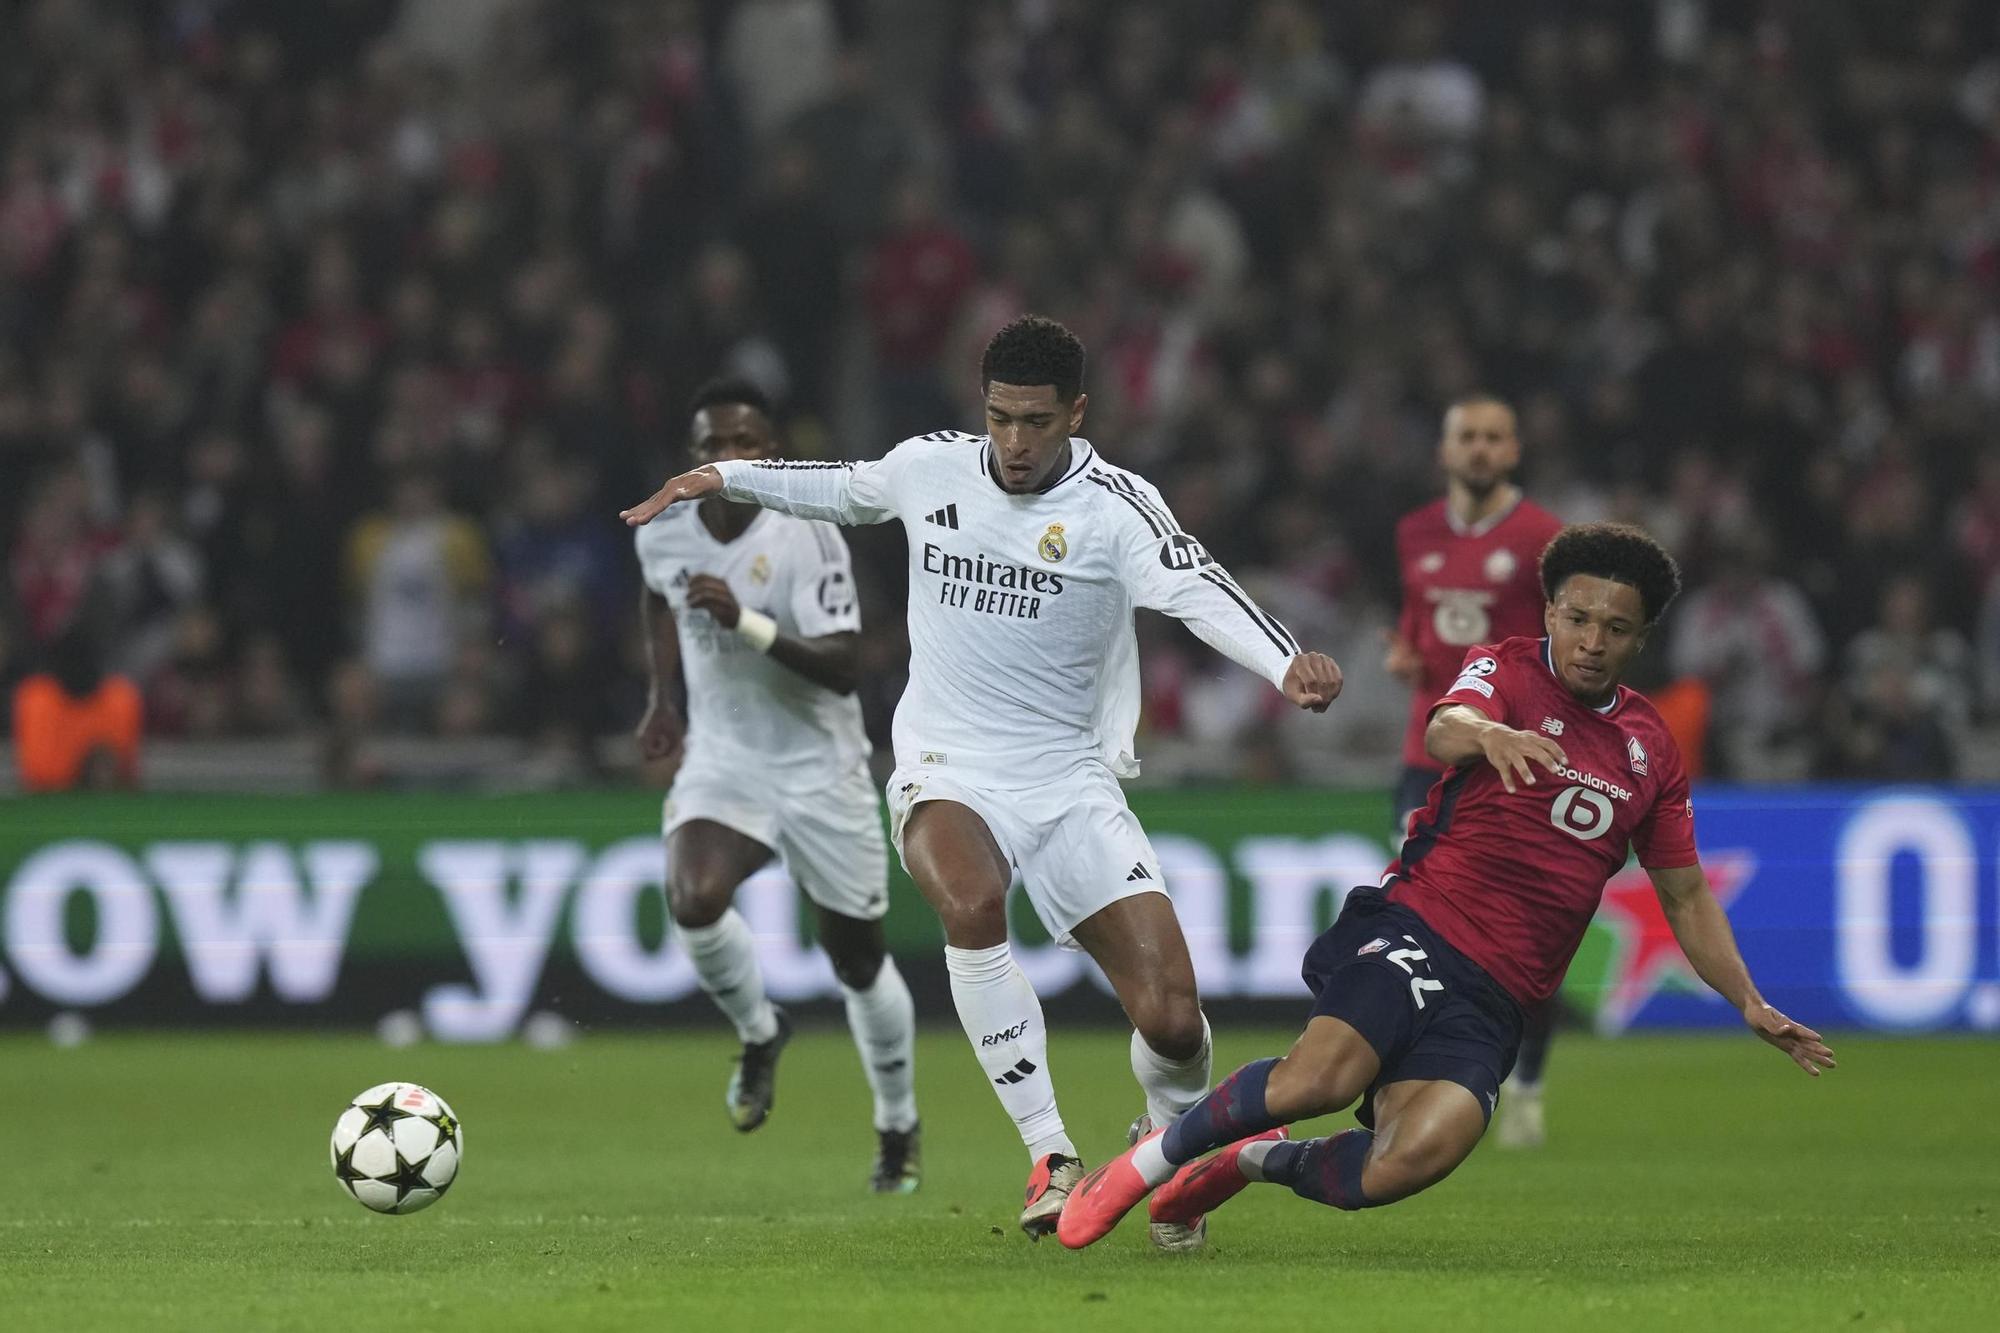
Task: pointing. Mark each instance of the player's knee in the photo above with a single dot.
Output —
(1310, 1082)
(973, 921)
(1169, 1020)
(856, 966)
(1402, 1168)
(696, 901)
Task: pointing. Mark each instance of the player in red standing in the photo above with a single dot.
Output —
(1467, 565)
(1553, 770)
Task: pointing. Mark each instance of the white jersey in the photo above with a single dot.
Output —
(745, 709)
(1023, 663)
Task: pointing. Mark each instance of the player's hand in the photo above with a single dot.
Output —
(1807, 1050)
(1313, 681)
(661, 733)
(687, 486)
(705, 592)
(1402, 660)
(1514, 755)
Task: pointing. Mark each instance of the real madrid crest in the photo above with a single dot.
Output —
(760, 569)
(1053, 546)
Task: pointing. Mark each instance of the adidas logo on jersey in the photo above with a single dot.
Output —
(946, 517)
(1138, 872)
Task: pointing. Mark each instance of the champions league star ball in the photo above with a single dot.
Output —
(396, 1148)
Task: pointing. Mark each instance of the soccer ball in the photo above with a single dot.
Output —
(396, 1148)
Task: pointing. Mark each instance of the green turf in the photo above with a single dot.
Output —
(167, 1182)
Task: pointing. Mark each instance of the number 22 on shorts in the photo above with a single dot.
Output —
(1418, 985)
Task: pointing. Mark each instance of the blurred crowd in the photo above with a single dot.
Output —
(332, 336)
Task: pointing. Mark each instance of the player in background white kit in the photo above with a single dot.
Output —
(1028, 553)
(757, 610)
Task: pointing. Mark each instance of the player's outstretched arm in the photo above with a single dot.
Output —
(1702, 928)
(1169, 571)
(1460, 734)
(847, 493)
(687, 486)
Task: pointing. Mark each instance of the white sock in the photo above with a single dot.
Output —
(725, 961)
(1150, 1160)
(1003, 1019)
(883, 1019)
(1171, 1086)
(1251, 1160)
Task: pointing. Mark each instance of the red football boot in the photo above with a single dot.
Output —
(1105, 1195)
(1201, 1187)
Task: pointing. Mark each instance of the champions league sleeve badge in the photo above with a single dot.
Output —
(1053, 546)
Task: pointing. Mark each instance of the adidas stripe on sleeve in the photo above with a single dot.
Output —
(1167, 570)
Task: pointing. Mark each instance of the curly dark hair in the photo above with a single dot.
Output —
(1615, 551)
(731, 389)
(1034, 350)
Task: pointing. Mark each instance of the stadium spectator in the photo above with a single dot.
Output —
(77, 726)
(415, 574)
(153, 576)
(919, 276)
(1751, 636)
(1907, 693)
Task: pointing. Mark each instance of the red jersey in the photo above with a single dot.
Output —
(1463, 586)
(1511, 880)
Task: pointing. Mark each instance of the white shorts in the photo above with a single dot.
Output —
(829, 837)
(1078, 846)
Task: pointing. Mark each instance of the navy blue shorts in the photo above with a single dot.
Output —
(1428, 1010)
(1413, 792)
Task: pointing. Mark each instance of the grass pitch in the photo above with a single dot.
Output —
(180, 1182)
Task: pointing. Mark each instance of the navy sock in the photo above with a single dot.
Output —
(1233, 1109)
(1324, 1170)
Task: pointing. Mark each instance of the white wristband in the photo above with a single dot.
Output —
(756, 629)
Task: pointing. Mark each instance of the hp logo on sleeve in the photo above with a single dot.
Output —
(1181, 551)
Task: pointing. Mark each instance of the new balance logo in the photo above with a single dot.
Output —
(946, 517)
(1138, 872)
(1021, 1070)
